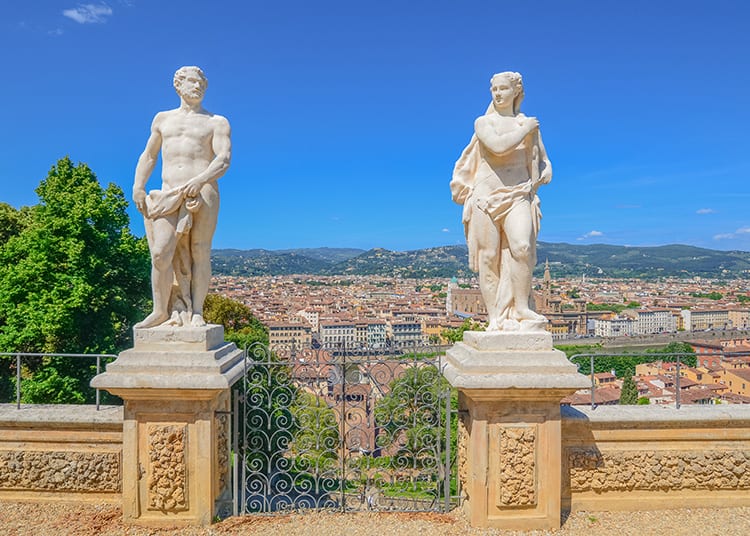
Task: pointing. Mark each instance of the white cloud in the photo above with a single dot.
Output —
(705, 211)
(89, 13)
(590, 234)
(446, 230)
(736, 234)
(56, 32)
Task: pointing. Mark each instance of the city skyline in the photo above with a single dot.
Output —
(347, 118)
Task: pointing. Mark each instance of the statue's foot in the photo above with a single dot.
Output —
(494, 325)
(174, 321)
(528, 314)
(197, 321)
(152, 320)
(510, 325)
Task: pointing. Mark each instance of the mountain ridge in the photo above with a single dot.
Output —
(566, 260)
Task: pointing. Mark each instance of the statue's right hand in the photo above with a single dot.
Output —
(531, 124)
(139, 197)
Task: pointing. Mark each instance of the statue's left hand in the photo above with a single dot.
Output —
(192, 188)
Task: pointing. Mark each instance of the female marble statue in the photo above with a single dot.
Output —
(496, 180)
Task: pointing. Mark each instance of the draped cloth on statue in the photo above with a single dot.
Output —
(162, 203)
(500, 200)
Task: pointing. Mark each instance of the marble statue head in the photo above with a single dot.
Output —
(190, 83)
(514, 84)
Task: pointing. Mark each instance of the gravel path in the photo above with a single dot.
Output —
(55, 519)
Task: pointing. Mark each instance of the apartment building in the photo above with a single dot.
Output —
(407, 332)
(649, 321)
(335, 333)
(737, 380)
(705, 319)
(371, 333)
(312, 318)
(288, 334)
(465, 300)
(616, 326)
(740, 318)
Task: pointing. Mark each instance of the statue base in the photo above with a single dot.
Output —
(510, 385)
(175, 385)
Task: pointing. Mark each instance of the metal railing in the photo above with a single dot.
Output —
(19, 357)
(643, 358)
(343, 427)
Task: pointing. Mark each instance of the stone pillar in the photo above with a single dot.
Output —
(510, 385)
(175, 386)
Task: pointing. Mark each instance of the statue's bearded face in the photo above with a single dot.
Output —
(503, 92)
(191, 86)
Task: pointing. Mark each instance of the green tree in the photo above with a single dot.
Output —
(614, 307)
(240, 325)
(73, 279)
(689, 360)
(412, 415)
(316, 443)
(12, 221)
(457, 334)
(709, 295)
(629, 393)
(624, 365)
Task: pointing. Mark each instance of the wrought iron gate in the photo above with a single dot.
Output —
(345, 429)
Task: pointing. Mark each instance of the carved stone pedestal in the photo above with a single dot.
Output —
(510, 386)
(175, 385)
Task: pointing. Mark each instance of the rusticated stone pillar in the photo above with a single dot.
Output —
(175, 386)
(510, 385)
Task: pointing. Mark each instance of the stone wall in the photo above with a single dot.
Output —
(655, 457)
(60, 452)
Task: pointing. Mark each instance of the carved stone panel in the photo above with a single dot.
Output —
(167, 472)
(222, 449)
(517, 479)
(63, 471)
(592, 470)
(463, 463)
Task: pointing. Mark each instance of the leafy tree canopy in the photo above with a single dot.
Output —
(457, 334)
(624, 365)
(413, 413)
(240, 325)
(12, 221)
(629, 393)
(72, 276)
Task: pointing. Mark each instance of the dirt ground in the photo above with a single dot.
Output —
(56, 519)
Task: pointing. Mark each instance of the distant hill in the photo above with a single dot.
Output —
(674, 260)
(280, 262)
(597, 260)
(446, 261)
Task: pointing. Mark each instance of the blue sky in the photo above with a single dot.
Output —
(348, 116)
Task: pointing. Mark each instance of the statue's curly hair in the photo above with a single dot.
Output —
(182, 72)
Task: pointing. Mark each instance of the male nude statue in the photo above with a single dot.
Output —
(180, 219)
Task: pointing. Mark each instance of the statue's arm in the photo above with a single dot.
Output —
(500, 143)
(146, 164)
(222, 147)
(545, 168)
